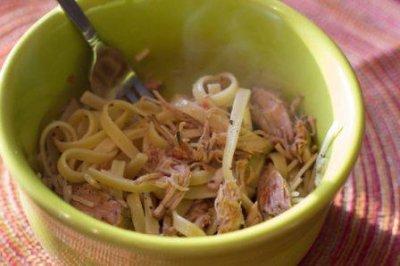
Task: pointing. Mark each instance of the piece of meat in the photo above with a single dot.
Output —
(103, 207)
(199, 213)
(218, 120)
(272, 193)
(217, 140)
(205, 136)
(216, 180)
(228, 208)
(181, 152)
(173, 196)
(163, 131)
(167, 227)
(301, 138)
(254, 216)
(270, 114)
(154, 156)
(199, 154)
(165, 166)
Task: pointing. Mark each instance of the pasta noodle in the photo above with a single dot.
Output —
(80, 154)
(115, 133)
(187, 167)
(200, 192)
(122, 184)
(151, 223)
(239, 107)
(136, 208)
(185, 227)
(92, 100)
(200, 177)
(221, 98)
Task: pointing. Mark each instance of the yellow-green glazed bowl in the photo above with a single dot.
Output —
(260, 41)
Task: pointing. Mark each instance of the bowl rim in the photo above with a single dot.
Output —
(96, 229)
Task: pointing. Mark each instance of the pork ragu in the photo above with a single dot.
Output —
(225, 159)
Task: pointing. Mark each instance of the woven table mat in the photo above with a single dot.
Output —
(362, 227)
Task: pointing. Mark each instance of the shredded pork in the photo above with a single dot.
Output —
(97, 203)
(272, 193)
(227, 206)
(270, 114)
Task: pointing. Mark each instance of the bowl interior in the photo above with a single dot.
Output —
(261, 42)
(187, 39)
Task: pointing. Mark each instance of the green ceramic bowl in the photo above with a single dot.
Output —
(261, 42)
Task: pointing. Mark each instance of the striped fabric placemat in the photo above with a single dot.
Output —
(362, 227)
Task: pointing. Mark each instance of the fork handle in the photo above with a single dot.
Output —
(76, 15)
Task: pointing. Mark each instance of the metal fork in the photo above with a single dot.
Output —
(110, 74)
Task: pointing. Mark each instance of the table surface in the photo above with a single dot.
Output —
(362, 227)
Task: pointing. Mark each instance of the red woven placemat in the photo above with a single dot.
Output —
(362, 227)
